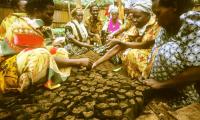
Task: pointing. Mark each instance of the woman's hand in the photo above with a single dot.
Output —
(70, 36)
(113, 42)
(110, 36)
(59, 42)
(85, 62)
(88, 45)
(94, 65)
(154, 84)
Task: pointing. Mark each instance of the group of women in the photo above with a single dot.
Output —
(161, 46)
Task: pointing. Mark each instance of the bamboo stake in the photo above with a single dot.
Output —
(89, 4)
(69, 10)
(78, 5)
(121, 10)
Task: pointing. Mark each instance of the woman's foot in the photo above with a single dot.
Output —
(24, 82)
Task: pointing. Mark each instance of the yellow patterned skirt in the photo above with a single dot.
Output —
(32, 67)
(135, 61)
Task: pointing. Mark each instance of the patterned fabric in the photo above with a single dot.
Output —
(129, 34)
(7, 22)
(80, 33)
(36, 63)
(29, 65)
(79, 30)
(178, 52)
(8, 74)
(94, 26)
(135, 60)
(141, 5)
(17, 36)
(129, 3)
(111, 27)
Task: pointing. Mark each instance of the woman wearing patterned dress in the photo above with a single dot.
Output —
(140, 38)
(175, 57)
(77, 34)
(24, 58)
(18, 7)
(113, 23)
(94, 25)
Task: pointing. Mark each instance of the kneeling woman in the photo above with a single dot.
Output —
(140, 37)
(24, 58)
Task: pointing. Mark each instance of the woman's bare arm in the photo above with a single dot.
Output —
(189, 76)
(81, 44)
(113, 51)
(137, 45)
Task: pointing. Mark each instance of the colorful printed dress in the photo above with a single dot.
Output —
(172, 54)
(24, 59)
(79, 31)
(135, 60)
(94, 26)
(7, 22)
(112, 27)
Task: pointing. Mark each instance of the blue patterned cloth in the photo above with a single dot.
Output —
(176, 53)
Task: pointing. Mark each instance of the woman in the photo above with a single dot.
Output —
(24, 59)
(140, 38)
(18, 7)
(114, 23)
(175, 57)
(77, 35)
(94, 25)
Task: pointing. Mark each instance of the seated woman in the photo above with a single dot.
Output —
(24, 58)
(141, 37)
(175, 57)
(114, 23)
(124, 27)
(18, 7)
(94, 25)
(77, 35)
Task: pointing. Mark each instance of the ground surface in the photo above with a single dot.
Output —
(100, 94)
(97, 94)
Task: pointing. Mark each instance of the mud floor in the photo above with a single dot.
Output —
(100, 94)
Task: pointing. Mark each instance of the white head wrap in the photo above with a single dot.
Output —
(114, 10)
(143, 5)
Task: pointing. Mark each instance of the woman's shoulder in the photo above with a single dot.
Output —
(191, 18)
(190, 14)
(190, 26)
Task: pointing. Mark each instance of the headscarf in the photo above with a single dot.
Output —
(143, 5)
(114, 10)
(74, 11)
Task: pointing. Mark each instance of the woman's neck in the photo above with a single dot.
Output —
(33, 16)
(175, 27)
(114, 20)
(95, 18)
